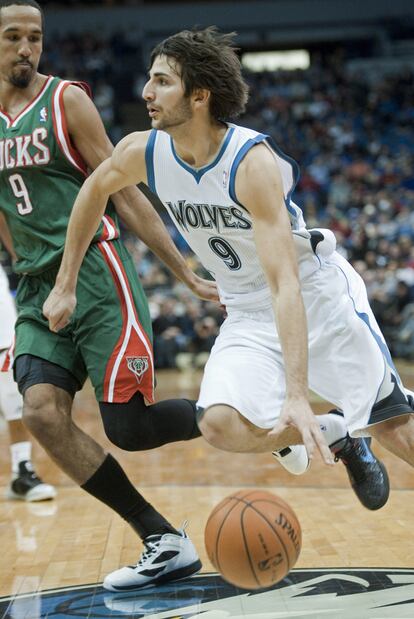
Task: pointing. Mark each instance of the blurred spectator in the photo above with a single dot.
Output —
(169, 338)
(104, 101)
(206, 331)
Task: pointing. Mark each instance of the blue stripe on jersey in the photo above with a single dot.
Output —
(149, 160)
(238, 158)
(365, 318)
(198, 174)
(296, 175)
(242, 153)
(293, 163)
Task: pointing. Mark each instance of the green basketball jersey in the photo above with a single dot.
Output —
(40, 175)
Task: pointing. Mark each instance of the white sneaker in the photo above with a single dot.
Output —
(294, 459)
(166, 557)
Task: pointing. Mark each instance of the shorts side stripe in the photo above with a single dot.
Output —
(109, 231)
(131, 325)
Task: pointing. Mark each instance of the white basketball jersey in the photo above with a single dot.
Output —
(204, 207)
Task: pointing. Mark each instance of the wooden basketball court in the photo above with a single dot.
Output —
(74, 540)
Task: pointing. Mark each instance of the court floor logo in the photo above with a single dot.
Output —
(318, 593)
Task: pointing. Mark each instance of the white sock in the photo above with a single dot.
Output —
(19, 452)
(333, 427)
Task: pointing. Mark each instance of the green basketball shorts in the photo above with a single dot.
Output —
(109, 337)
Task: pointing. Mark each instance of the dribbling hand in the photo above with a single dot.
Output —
(298, 414)
(204, 289)
(58, 308)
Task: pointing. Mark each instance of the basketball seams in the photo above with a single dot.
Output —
(291, 511)
(274, 531)
(220, 506)
(281, 506)
(246, 547)
(227, 499)
(218, 536)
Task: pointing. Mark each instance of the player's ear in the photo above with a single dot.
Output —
(201, 97)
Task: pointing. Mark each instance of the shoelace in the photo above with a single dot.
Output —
(32, 476)
(152, 545)
(151, 549)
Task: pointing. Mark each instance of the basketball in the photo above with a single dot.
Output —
(253, 538)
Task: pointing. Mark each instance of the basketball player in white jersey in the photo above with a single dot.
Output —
(298, 313)
(25, 483)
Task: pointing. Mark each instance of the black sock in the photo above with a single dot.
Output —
(110, 485)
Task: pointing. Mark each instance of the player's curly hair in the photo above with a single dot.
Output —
(208, 59)
(33, 3)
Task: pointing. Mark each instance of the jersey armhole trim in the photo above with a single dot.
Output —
(295, 177)
(83, 86)
(149, 160)
(61, 130)
(237, 160)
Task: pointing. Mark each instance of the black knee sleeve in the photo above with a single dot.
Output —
(134, 426)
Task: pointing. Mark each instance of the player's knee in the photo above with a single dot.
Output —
(213, 426)
(123, 436)
(128, 425)
(43, 414)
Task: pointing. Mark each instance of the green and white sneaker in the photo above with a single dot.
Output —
(166, 557)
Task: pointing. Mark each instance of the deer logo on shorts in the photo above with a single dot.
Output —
(138, 366)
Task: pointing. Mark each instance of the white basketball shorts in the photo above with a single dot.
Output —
(349, 361)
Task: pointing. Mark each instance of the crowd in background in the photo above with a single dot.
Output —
(354, 140)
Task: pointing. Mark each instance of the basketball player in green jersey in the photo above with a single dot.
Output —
(50, 134)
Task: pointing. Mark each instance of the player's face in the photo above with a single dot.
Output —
(20, 44)
(167, 105)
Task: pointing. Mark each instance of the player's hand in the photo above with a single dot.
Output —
(298, 414)
(204, 288)
(59, 307)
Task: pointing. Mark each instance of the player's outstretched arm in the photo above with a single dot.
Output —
(259, 189)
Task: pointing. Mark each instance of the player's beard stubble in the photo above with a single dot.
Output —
(177, 116)
(21, 76)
